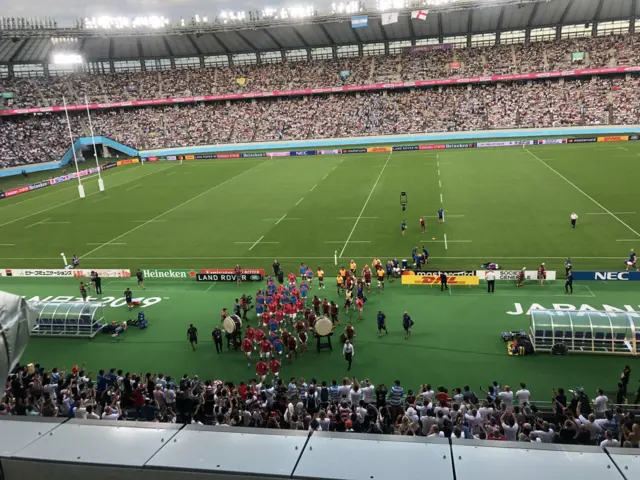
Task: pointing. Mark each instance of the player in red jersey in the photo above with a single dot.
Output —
(285, 336)
(223, 314)
(266, 318)
(521, 275)
(303, 337)
(542, 273)
(299, 305)
(423, 225)
(265, 348)
(316, 304)
(250, 334)
(258, 336)
(280, 317)
(273, 307)
(262, 369)
(325, 307)
(247, 348)
(366, 273)
(360, 307)
(274, 364)
(292, 348)
(311, 320)
(292, 278)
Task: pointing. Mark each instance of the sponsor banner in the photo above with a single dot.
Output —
(458, 273)
(278, 154)
(614, 138)
(512, 143)
(189, 157)
(582, 140)
(171, 158)
(228, 155)
(252, 155)
(405, 147)
(607, 276)
(329, 152)
(1, 194)
(112, 302)
(38, 186)
(634, 137)
(16, 191)
(229, 275)
(551, 141)
(435, 280)
(303, 153)
(378, 149)
(127, 161)
(346, 88)
(354, 150)
(429, 48)
(107, 166)
(460, 145)
(152, 159)
(206, 156)
(169, 273)
(439, 146)
(62, 272)
(513, 274)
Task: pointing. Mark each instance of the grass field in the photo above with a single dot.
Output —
(507, 205)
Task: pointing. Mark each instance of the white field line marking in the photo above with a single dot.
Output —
(148, 221)
(582, 191)
(55, 223)
(313, 188)
(131, 188)
(446, 245)
(100, 199)
(109, 244)
(440, 183)
(7, 244)
(590, 291)
(325, 176)
(628, 240)
(334, 168)
(257, 242)
(615, 213)
(438, 172)
(441, 201)
(365, 204)
(171, 173)
(361, 218)
(157, 217)
(445, 241)
(281, 218)
(37, 223)
(299, 202)
(75, 199)
(210, 287)
(484, 257)
(352, 241)
(625, 149)
(437, 163)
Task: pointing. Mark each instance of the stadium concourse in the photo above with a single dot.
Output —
(596, 100)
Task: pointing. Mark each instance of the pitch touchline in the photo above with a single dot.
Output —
(366, 203)
(540, 257)
(173, 208)
(75, 199)
(581, 191)
(361, 218)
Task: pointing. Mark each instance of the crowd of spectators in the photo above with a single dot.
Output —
(601, 51)
(347, 405)
(551, 103)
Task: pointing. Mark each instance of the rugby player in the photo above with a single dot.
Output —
(542, 273)
(403, 227)
(423, 225)
(320, 275)
(380, 276)
(441, 215)
(632, 262)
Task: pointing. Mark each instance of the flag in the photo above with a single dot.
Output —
(241, 81)
(420, 14)
(359, 21)
(391, 17)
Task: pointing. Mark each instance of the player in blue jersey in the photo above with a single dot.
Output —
(440, 215)
(303, 270)
(304, 290)
(403, 227)
(632, 260)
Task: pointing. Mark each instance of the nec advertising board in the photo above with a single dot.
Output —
(607, 276)
(614, 138)
(513, 274)
(303, 153)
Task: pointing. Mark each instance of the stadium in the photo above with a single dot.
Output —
(166, 181)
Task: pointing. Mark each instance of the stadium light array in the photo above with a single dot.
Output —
(384, 5)
(107, 23)
(228, 17)
(67, 58)
(297, 11)
(346, 7)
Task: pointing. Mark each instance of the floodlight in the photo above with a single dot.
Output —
(67, 58)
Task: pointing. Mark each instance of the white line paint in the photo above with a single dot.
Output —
(590, 291)
(148, 221)
(281, 218)
(441, 201)
(446, 245)
(582, 192)
(354, 218)
(352, 241)
(365, 204)
(257, 242)
(37, 223)
(438, 172)
(625, 149)
(483, 257)
(7, 244)
(440, 183)
(75, 199)
(121, 243)
(325, 176)
(334, 168)
(55, 223)
(437, 163)
(299, 202)
(171, 173)
(615, 213)
(628, 240)
(172, 209)
(131, 188)
(313, 188)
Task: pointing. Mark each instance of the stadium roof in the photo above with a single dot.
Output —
(36, 46)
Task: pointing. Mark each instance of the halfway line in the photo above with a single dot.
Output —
(581, 191)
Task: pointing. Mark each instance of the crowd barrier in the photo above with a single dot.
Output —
(518, 77)
(59, 448)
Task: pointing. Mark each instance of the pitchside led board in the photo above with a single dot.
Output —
(229, 275)
(454, 278)
(607, 276)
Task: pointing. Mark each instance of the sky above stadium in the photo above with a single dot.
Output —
(66, 11)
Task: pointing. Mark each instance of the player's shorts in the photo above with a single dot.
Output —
(541, 277)
(321, 279)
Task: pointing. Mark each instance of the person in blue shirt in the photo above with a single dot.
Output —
(303, 270)
(425, 255)
(382, 323)
(414, 251)
(417, 259)
(304, 290)
(567, 266)
(632, 259)
(440, 215)
(389, 270)
(403, 227)
(406, 324)
(101, 384)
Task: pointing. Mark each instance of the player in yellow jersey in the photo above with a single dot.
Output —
(352, 267)
(320, 275)
(339, 283)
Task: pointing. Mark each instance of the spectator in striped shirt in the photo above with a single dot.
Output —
(334, 391)
(395, 399)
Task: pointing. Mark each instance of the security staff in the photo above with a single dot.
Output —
(217, 339)
(491, 281)
(574, 218)
(443, 282)
(568, 283)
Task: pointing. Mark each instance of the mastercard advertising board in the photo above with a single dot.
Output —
(410, 278)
